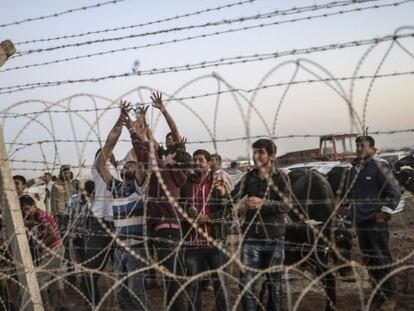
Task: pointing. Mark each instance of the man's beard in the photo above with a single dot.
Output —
(198, 173)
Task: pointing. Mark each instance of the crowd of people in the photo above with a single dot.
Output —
(168, 213)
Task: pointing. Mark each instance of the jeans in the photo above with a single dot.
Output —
(98, 245)
(131, 292)
(373, 241)
(262, 254)
(196, 261)
(71, 277)
(166, 244)
(79, 248)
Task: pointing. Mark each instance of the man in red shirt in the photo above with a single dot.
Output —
(50, 250)
(206, 242)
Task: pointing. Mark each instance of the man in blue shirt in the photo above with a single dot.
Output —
(74, 228)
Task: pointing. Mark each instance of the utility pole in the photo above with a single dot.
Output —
(31, 300)
(7, 49)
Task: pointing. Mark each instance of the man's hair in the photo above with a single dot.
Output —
(205, 153)
(168, 135)
(127, 163)
(26, 200)
(216, 155)
(48, 174)
(20, 178)
(89, 186)
(233, 164)
(182, 159)
(63, 168)
(367, 138)
(266, 144)
(176, 146)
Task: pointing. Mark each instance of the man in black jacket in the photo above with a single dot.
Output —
(375, 191)
(268, 195)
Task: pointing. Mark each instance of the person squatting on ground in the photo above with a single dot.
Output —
(49, 248)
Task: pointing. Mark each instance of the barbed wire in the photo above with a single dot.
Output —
(306, 250)
(210, 24)
(57, 14)
(13, 115)
(223, 140)
(206, 64)
(160, 43)
(159, 21)
(316, 249)
(298, 62)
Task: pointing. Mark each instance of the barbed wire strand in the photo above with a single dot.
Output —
(319, 239)
(57, 14)
(168, 19)
(210, 24)
(205, 64)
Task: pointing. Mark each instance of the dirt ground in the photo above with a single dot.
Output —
(351, 294)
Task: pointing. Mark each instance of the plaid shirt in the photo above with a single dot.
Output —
(78, 210)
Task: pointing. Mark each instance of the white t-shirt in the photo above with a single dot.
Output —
(102, 206)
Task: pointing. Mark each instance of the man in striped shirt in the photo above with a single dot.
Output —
(129, 222)
(164, 179)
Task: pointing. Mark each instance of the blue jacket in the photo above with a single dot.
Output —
(375, 186)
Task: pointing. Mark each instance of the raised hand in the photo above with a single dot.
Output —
(124, 116)
(141, 117)
(181, 143)
(157, 101)
(220, 187)
(140, 124)
(125, 106)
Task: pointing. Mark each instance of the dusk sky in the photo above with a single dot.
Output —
(310, 108)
